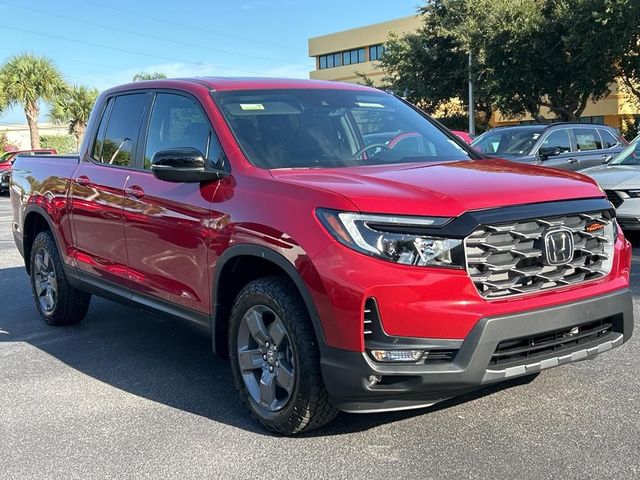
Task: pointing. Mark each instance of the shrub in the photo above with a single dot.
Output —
(62, 143)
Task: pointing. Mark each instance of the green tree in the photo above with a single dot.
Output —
(431, 67)
(629, 66)
(149, 76)
(73, 109)
(26, 80)
(554, 54)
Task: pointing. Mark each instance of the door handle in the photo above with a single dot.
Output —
(134, 191)
(83, 180)
(573, 160)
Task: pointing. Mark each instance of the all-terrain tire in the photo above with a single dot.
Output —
(308, 405)
(69, 305)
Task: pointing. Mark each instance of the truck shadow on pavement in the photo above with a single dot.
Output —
(158, 359)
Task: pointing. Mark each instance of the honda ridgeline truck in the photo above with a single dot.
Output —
(343, 249)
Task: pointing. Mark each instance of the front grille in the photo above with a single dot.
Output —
(551, 344)
(614, 198)
(507, 258)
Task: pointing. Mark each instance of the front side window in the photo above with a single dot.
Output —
(117, 144)
(587, 139)
(175, 122)
(558, 139)
(328, 128)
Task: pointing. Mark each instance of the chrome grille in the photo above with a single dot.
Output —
(507, 259)
(614, 198)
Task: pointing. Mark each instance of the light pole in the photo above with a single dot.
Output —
(472, 113)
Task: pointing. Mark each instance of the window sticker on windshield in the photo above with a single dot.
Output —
(369, 105)
(251, 106)
(536, 136)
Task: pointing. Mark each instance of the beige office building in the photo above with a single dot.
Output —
(340, 56)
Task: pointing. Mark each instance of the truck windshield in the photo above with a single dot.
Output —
(331, 128)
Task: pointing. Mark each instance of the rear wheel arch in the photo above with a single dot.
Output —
(240, 265)
(36, 220)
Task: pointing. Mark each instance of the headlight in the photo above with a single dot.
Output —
(396, 239)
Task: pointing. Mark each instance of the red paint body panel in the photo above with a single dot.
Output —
(420, 302)
(166, 243)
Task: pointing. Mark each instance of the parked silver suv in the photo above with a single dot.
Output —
(571, 146)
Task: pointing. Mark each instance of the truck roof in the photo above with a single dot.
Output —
(240, 83)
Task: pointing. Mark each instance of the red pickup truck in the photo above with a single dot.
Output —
(343, 249)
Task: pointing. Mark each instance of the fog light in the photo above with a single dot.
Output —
(397, 355)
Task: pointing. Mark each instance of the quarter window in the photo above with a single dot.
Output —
(177, 121)
(121, 132)
(608, 140)
(558, 139)
(587, 139)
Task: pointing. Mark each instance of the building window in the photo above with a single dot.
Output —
(338, 59)
(376, 52)
(594, 119)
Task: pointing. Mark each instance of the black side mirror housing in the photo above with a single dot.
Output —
(546, 152)
(183, 165)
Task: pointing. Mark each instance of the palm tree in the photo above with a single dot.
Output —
(26, 79)
(148, 76)
(73, 109)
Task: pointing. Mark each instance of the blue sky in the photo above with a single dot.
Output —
(180, 38)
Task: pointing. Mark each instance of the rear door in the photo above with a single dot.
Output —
(589, 149)
(97, 192)
(166, 224)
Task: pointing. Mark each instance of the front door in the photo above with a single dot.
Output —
(166, 224)
(97, 192)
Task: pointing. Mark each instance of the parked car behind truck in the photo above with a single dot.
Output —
(336, 274)
(570, 146)
(6, 162)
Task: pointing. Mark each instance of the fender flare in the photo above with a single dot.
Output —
(33, 208)
(280, 261)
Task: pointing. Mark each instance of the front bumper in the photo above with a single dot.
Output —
(405, 386)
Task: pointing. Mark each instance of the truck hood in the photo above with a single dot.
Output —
(615, 177)
(444, 189)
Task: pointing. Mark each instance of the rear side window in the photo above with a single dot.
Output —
(558, 139)
(118, 131)
(608, 140)
(587, 139)
(177, 121)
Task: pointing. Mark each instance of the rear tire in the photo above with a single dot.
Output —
(275, 358)
(57, 301)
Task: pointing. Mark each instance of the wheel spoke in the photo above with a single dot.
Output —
(250, 359)
(39, 284)
(267, 389)
(48, 299)
(257, 328)
(284, 376)
(46, 260)
(38, 262)
(277, 332)
(54, 283)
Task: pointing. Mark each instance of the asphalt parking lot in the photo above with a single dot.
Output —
(130, 395)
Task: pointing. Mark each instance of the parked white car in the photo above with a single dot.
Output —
(620, 179)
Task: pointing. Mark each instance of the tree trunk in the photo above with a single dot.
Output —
(78, 132)
(31, 110)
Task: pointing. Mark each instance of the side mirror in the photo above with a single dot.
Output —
(546, 152)
(185, 165)
(607, 158)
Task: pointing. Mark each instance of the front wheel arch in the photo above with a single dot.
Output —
(264, 262)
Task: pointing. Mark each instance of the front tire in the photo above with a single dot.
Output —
(57, 301)
(275, 359)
